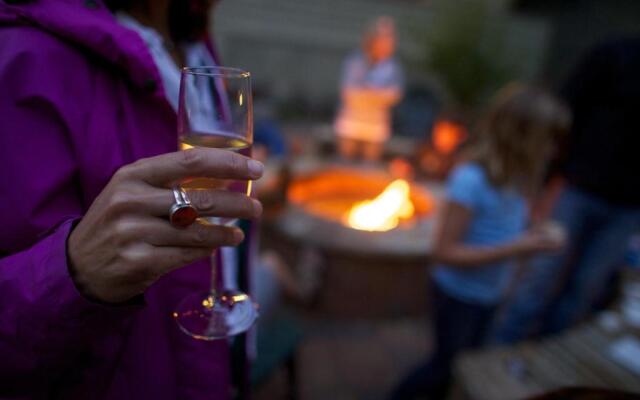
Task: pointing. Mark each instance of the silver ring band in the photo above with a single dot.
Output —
(180, 195)
(182, 213)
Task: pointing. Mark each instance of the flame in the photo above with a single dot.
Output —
(447, 136)
(385, 211)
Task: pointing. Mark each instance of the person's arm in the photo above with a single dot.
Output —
(463, 190)
(45, 322)
(66, 291)
(68, 270)
(542, 205)
(450, 249)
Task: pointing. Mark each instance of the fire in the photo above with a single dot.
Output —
(385, 211)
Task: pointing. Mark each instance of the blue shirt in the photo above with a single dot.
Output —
(357, 72)
(498, 216)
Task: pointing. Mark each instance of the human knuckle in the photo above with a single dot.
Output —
(121, 201)
(133, 257)
(123, 228)
(237, 164)
(204, 200)
(127, 172)
(200, 236)
(122, 173)
(191, 158)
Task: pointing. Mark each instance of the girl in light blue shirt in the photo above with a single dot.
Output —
(482, 230)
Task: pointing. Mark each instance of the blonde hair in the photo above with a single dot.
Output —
(383, 25)
(516, 136)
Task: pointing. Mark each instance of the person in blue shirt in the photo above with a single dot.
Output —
(482, 229)
(595, 193)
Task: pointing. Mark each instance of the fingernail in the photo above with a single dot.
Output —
(255, 168)
(238, 236)
(257, 208)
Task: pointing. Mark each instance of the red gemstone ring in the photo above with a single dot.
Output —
(182, 212)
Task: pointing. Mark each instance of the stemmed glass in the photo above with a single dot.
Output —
(215, 110)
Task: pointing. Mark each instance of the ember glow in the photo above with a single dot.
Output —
(385, 211)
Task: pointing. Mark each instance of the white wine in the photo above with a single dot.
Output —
(216, 140)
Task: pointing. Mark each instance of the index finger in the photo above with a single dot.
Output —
(196, 162)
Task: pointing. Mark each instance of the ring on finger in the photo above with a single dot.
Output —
(182, 213)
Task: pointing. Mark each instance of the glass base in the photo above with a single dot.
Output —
(202, 316)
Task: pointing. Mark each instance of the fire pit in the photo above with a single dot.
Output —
(323, 212)
(375, 265)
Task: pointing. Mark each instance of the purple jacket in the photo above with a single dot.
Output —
(80, 97)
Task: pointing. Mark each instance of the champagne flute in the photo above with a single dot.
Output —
(215, 110)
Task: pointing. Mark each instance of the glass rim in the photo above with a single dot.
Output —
(226, 72)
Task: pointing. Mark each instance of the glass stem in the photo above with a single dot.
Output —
(216, 275)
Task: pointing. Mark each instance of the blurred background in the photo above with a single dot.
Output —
(295, 49)
(345, 310)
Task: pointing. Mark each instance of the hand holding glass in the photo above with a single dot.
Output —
(215, 110)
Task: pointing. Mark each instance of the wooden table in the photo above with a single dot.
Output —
(578, 358)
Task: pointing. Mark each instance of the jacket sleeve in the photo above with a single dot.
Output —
(45, 323)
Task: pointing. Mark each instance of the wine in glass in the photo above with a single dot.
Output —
(215, 111)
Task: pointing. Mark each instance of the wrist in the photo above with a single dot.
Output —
(520, 247)
(75, 273)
